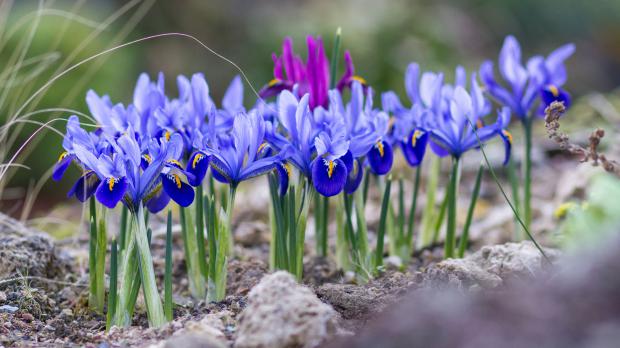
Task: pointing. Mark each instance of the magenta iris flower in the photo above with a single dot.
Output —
(311, 77)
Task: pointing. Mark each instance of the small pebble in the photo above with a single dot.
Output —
(2, 296)
(49, 328)
(8, 309)
(27, 317)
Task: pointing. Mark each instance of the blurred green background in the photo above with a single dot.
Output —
(383, 37)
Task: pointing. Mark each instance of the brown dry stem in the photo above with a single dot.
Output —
(588, 154)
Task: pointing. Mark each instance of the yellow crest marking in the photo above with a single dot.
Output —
(359, 79)
(273, 82)
(62, 156)
(379, 146)
(554, 90)
(197, 159)
(507, 135)
(147, 158)
(167, 135)
(111, 182)
(415, 136)
(177, 180)
(330, 168)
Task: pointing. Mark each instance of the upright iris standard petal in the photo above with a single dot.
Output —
(354, 177)
(329, 176)
(85, 186)
(197, 166)
(61, 165)
(178, 190)
(551, 93)
(381, 157)
(111, 191)
(414, 147)
(159, 201)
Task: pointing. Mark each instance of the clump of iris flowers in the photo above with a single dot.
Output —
(312, 143)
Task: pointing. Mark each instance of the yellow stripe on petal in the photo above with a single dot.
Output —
(507, 135)
(379, 146)
(167, 135)
(62, 156)
(197, 159)
(554, 90)
(177, 180)
(175, 162)
(415, 136)
(289, 170)
(330, 168)
(147, 158)
(111, 183)
(273, 82)
(359, 79)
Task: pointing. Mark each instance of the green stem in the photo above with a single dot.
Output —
(470, 212)
(362, 231)
(527, 175)
(92, 257)
(452, 210)
(217, 275)
(440, 219)
(102, 248)
(123, 228)
(382, 221)
(342, 254)
(128, 272)
(192, 255)
(412, 208)
(155, 311)
(514, 185)
(200, 233)
(113, 284)
(429, 214)
(168, 271)
(334, 61)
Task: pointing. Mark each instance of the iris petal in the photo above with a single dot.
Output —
(329, 177)
(85, 186)
(178, 190)
(284, 175)
(381, 157)
(111, 191)
(61, 166)
(354, 177)
(551, 93)
(197, 166)
(414, 147)
(507, 138)
(158, 202)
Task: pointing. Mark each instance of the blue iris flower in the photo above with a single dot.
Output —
(235, 156)
(459, 128)
(541, 77)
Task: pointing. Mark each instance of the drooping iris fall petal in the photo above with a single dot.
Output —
(178, 190)
(111, 190)
(329, 176)
(381, 157)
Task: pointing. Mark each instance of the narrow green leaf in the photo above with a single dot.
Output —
(382, 219)
(113, 284)
(470, 212)
(334, 60)
(168, 270)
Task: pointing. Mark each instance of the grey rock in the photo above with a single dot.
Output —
(573, 304)
(282, 313)
(193, 340)
(488, 268)
(25, 251)
(8, 309)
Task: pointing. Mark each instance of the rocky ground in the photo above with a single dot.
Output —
(47, 306)
(43, 288)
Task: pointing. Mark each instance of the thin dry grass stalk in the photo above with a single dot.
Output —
(588, 154)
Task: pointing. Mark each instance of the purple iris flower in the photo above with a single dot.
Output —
(541, 77)
(313, 77)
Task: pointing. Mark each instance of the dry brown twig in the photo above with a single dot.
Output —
(588, 154)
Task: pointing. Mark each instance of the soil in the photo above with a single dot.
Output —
(52, 310)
